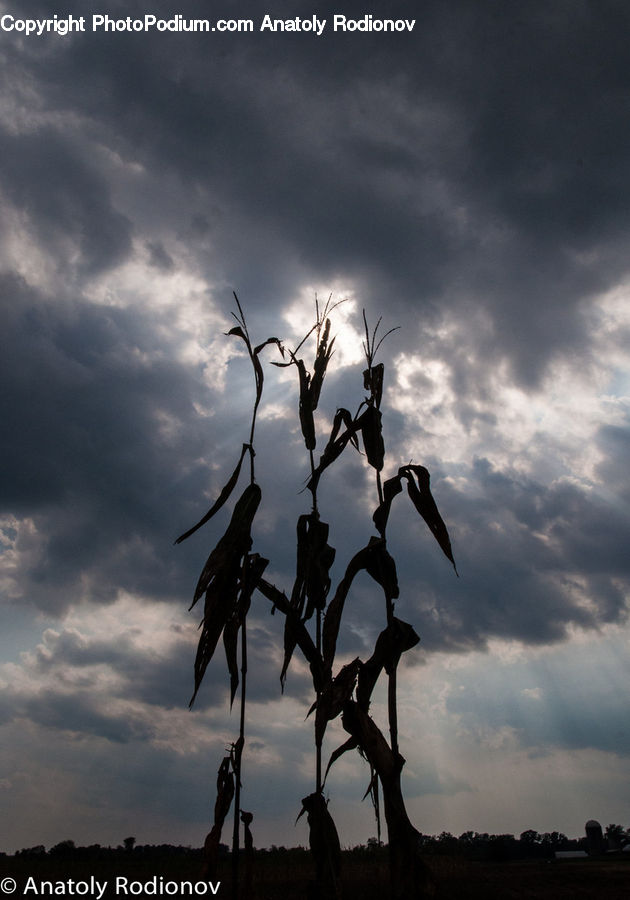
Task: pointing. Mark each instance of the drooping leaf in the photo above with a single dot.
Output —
(252, 569)
(230, 644)
(370, 788)
(221, 499)
(225, 791)
(238, 331)
(336, 444)
(334, 697)
(423, 501)
(312, 580)
(350, 744)
(378, 563)
(225, 795)
(314, 559)
(259, 376)
(271, 340)
(307, 421)
(302, 638)
(372, 434)
(344, 417)
(236, 539)
(332, 618)
(381, 566)
(220, 579)
(220, 600)
(372, 743)
(391, 488)
(391, 643)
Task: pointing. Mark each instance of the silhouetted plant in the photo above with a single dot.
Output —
(228, 580)
(232, 573)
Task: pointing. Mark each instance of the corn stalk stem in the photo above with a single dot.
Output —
(318, 644)
(237, 766)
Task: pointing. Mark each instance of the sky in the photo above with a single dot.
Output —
(467, 180)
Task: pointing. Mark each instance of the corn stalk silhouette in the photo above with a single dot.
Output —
(228, 580)
(232, 574)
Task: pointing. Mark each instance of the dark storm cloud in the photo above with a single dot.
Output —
(82, 450)
(470, 169)
(65, 198)
(356, 160)
(468, 182)
(479, 161)
(534, 561)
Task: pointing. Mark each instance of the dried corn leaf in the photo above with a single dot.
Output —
(225, 791)
(271, 340)
(230, 644)
(344, 417)
(391, 643)
(221, 499)
(225, 795)
(334, 697)
(378, 563)
(312, 581)
(422, 499)
(319, 560)
(238, 331)
(220, 600)
(336, 444)
(371, 789)
(381, 566)
(391, 488)
(302, 638)
(307, 422)
(253, 567)
(373, 382)
(235, 542)
(324, 352)
(371, 743)
(220, 580)
(350, 744)
(257, 366)
(372, 434)
(332, 618)
(314, 559)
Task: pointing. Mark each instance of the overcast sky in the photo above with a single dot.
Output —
(468, 180)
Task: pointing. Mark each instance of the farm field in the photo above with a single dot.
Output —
(287, 875)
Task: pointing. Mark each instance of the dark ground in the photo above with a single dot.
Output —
(286, 875)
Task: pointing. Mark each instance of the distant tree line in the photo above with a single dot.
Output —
(530, 844)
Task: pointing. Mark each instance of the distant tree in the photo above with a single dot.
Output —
(129, 843)
(530, 837)
(63, 847)
(616, 836)
(554, 839)
(38, 850)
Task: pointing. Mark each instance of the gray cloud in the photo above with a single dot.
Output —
(65, 199)
(468, 185)
(585, 709)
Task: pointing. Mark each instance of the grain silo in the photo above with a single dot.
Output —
(594, 838)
